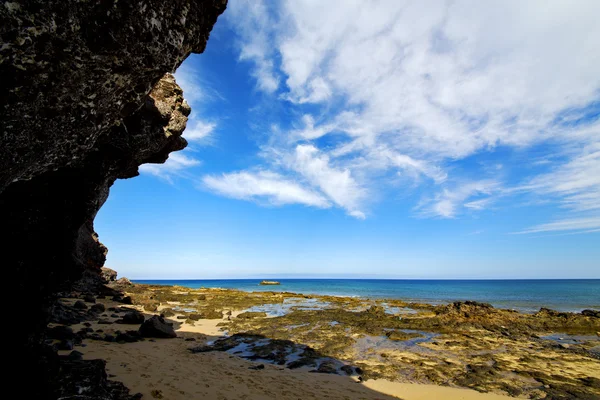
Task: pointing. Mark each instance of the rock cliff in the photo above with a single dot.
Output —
(85, 98)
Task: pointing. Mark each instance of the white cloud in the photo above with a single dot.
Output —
(198, 131)
(252, 21)
(175, 165)
(338, 184)
(587, 224)
(264, 185)
(450, 202)
(575, 183)
(410, 89)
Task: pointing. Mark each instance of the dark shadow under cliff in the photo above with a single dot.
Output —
(85, 101)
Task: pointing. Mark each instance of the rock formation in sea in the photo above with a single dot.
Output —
(85, 98)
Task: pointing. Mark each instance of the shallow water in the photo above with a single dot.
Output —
(289, 304)
(563, 338)
(368, 345)
(522, 295)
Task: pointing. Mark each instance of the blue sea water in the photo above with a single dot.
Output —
(524, 295)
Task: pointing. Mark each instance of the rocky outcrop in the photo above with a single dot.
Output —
(108, 275)
(84, 100)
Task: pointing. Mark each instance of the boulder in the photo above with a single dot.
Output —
(132, 317)
(88, 298)
(80, 305)
(128, 337)
(157, 327)
(326, 367)
(75, 355)
(98, 308)
(60, 333)
(591, 313)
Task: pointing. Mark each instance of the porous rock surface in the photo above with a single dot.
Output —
(85, 98)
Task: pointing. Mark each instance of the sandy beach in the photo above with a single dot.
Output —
(164, 368)
(167, 369)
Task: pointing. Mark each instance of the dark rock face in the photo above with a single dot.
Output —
(89, 61)
(84, 100)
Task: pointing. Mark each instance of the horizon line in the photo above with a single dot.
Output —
(364, 278)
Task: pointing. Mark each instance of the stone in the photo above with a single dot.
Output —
(75, 355)
(65, 345)
(128, 337)
(591, 313)
(157, 327)
(326, 367)
(132, 317)
(89, 298)
(347, 369)
(257, 367)
(60, 333)
(98, 308)
(80, 305)
(109, 338)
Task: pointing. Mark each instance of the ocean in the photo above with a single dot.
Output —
(523, 295)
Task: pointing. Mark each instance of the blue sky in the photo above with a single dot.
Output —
(377, 139)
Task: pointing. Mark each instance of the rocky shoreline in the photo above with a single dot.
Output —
(471, 345)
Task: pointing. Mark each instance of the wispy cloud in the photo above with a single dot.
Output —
(450, 202)
(199, 131)
(264, 186)
(587, 225)
(575, 183)
(337, 183)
